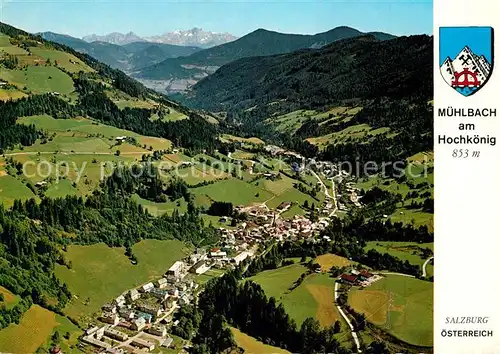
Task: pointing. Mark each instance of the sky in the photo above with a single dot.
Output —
(453, 39)
(152, 17)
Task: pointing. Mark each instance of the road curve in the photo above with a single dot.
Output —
(424, 272)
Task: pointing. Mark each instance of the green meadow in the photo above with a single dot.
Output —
(401, 305)
(39, 79)
(100, 273)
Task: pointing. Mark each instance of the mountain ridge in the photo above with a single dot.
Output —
(192, 37)
(260, 42)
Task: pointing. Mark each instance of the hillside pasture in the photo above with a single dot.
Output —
(9, 299)
(329, 260)
(12, 189)
(313, 298)
(100, 273)
(64, 60)
(235, 191)
(39, 79)
(401, 305)
(7, 47)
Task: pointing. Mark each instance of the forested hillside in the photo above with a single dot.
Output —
(41, 79)
(359, 68)
(73, 84)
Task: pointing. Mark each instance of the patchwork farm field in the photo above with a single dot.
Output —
(34, 329)
(401, 305)
(252, 346)
(99, 273)
(313, 298)
(327, 261)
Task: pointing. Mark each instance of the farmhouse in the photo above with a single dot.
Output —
(199, 268)
(364, 275)
(120, 139)
(141, 343)
(348, 279)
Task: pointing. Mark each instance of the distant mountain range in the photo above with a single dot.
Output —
(194, 37)
(175, 68)
(258, 43)
(127, 57)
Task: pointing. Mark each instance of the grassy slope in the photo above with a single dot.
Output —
(35, 327)
(9, 299)
(252, 346)
(401, 305)
(100, 273)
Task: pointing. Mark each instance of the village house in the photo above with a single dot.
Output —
(173, 291)
(217, 253)
(96, 342)
(111, 318)
(142, 343)
(200, 267)
(240, 258)
(109, 308)
(158, 330)
(134, 294)
(147, 287)
(138, 324)
(154, 310)
(162, 283)
(91, 330)
(176, 269)
(113, 333)
(161, 294)
(147, 317)
(120, 301)
(126, 313)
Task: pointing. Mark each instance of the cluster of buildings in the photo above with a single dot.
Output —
(145, 310)
(360, 278)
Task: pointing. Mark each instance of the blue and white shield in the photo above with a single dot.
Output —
(466, 57)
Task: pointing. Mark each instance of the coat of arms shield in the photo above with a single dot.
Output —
(466, 57)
